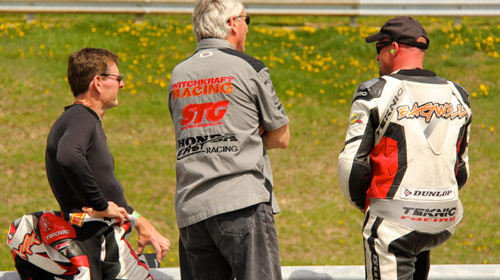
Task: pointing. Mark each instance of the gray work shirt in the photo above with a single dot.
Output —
(217, 99)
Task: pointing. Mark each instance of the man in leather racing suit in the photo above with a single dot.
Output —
(405, 156)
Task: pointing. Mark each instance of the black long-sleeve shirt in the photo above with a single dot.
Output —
(79, 165)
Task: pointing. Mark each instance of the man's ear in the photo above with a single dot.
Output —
(395, 48)
(97, 83)
(232, 23)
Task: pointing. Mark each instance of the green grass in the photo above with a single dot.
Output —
(316, 64)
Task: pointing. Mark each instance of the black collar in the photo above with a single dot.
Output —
(417, 72)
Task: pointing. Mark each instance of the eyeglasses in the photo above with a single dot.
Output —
(247, 18)
(119, 78)
(380, 45)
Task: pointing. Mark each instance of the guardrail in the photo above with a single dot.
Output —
(455, 8)
(356, 272)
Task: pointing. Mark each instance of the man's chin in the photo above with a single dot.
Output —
(113, 104)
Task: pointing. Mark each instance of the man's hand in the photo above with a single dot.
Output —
(113, 211)
(148, 235)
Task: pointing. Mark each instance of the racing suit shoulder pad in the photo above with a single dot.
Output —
(370, 89)
(463, 93)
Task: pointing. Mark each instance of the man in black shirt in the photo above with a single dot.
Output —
(80, 167)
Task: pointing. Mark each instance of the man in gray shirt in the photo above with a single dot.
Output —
(226, 116)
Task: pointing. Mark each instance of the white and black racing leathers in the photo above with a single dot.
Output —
(53, 245)
(404, 162)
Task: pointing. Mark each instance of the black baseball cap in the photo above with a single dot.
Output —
(404, 30)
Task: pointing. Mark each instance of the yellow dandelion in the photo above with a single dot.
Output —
(492, 129)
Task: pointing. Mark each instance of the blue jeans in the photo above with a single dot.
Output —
(241, 244)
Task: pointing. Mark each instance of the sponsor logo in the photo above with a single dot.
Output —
(193, 115)
(431, 110)
(77, 219)
(206, 54)
(200, 87)
(357, 118)
(199, 144)
(427, 193)
(24, 248)
(395, 101)
(360, 93)
(407, 192)
(434, 215)
(376, 266)
(56, 234)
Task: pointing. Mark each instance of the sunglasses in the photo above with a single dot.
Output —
(247, 18)
(380, 45)
(119, 78)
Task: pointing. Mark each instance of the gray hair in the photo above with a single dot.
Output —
(210, 18)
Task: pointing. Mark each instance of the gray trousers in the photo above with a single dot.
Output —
(242, 244)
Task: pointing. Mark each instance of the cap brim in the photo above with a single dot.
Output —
(373, 38)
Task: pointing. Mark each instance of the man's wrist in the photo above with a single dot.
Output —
(136, 214)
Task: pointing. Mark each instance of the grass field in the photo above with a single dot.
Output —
(316, 64)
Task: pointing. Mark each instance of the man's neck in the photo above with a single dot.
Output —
(90, 103)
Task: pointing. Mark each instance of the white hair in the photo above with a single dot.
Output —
(210, 18)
